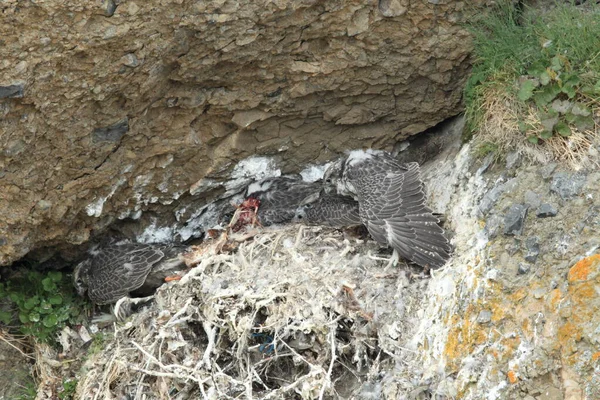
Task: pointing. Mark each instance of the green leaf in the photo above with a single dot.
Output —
(581, 110)
(522, 126)
(546, 94)
(563, 129)
(34, 317)
(63, 315)
(23, 317)
(544, 78)
(556, 63)
(569, 91)
(5, 317)
(546, 134)
(582, 123)
(31, 302)
(45, 307)
(561, 106)
(56, 276)
(50, 321)
(48, 284)
(56, 299)
(526, 90)
(533, 139)
(548, 122)
(571, 80)
(536, 69)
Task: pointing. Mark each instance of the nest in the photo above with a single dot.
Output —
(294, 313)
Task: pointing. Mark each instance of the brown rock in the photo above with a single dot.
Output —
(113, 108)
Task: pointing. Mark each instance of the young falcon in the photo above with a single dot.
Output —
(331, 210)
(279, 197)
(114, 271)
(391, 204)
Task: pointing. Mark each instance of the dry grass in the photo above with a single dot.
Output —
(502, 113)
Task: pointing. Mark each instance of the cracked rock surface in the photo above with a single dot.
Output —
(123, 109)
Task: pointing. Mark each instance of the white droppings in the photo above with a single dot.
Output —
(313, 173)
(94, 209)
(155, 234)
(496, 391)
(202, 220)
(253, 168)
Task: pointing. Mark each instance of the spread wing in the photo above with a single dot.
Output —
(118, 270)
(392, 206)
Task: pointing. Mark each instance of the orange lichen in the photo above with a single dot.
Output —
(555, 298)
(581, 270)
(512, 376)
(518, 295)
(569, 331)
(596, 356)
(568, 335)
(464, 336)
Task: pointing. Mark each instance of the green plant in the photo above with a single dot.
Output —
(42, 304)
(69, 387)
(485, 148)
(27, 392)
(548, 61)
(559, 96)
(97, 345)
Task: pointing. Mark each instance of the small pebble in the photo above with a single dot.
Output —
(484, 316)
(533, 199)
(109, 7)
(514, 220)
(546, 210)
(523, 268)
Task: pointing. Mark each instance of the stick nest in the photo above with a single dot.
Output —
(293, 313)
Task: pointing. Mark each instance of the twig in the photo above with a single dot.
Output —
(210, 332)
(172, 321)
(15, 347)
(277, 393)
(327, 378)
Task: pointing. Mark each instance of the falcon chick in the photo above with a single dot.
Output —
(280, 196)
(391, 204)
(115, 271)
(331, 210)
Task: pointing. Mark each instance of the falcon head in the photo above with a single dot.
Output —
(335, 180)
(333, 175)
(81, 277)
(300, 215)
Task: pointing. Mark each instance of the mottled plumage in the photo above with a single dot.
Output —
(330, 210)
(391, 201)
(280, 197)
(114, 271)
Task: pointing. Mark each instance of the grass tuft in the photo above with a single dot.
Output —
(535, 83)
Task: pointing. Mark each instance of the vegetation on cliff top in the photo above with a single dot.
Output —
(535, 84)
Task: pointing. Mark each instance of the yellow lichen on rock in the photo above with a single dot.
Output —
(581, 270)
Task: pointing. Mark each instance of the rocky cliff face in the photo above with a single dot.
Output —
(311, 312)
(121, 109)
